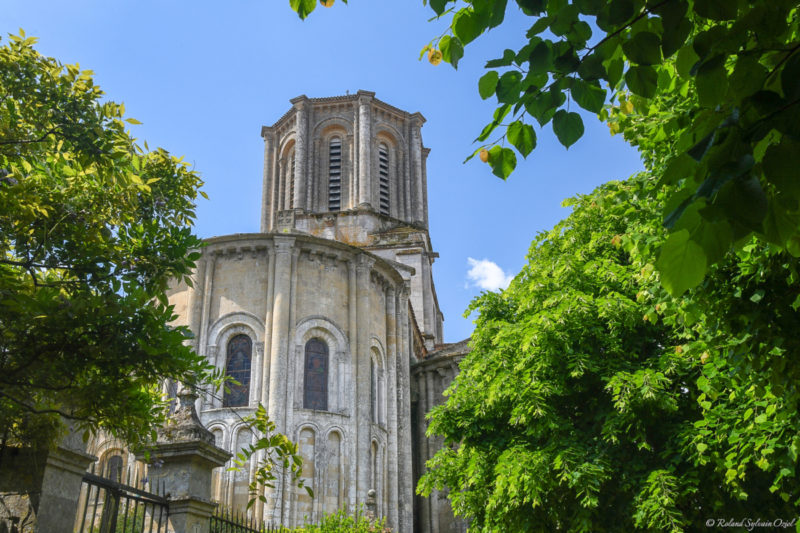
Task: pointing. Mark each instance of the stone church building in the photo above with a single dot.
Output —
(329, 316)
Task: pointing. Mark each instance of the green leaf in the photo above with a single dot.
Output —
(589, 96)
(303, 8)
(678, 168)
(790, 77)
(780, 223)
(531, 7)
(686, 60)
(614, 67)
(591, 68)
(467, 25)
(503, 161)
(568, 127)
(452, 50)
(748, 76)
(716, 10)
(507, 60)
(681, 263)
(487, 84)
(711, 81)
(781, 163)
(644, 48)
(522, 137)
(642, 80)
(508, 87)
(438, 6)
(542, 106)
(541, 57)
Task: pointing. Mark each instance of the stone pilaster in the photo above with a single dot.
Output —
(269, 178)
(300, 151)
(362, 370)
(416, 165)
(404, 463)
(195, 306)
(279, 354)
(364, 146)
(391, 381)
(186, 453)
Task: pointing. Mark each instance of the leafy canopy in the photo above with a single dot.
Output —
(92, 228)
(630, 409)
(733, 149)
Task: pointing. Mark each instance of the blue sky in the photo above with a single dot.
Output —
(203, 77)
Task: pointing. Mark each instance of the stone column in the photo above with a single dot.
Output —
(364, 146)
(391, 382)
(362, 374)
(195, 305)
(352, 333)
(416, 166)
(300, 151)
(267, 207)
(187, 455)
(279, 353)
(404, 463)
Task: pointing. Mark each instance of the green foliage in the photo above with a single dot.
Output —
(735, 64)
(271, 450)
(631, 409)
(92, 228)
(342, 521)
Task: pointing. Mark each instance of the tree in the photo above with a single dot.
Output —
(92, 229)
(734, 147)
(630, 409)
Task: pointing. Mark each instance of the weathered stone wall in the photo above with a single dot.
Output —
(430, 378)
(282, 291)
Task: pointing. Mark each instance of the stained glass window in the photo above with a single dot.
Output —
(240, 349)
(315, 385)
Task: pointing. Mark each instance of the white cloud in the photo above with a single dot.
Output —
(487, 275)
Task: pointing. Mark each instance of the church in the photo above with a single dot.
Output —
(329, 317)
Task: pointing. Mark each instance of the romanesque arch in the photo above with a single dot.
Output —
(338, 379)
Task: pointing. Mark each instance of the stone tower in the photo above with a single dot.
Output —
(328, 317)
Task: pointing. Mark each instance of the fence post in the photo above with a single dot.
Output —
(39, 488)
(181, 462)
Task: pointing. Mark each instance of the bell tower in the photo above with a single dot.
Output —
(352, 169)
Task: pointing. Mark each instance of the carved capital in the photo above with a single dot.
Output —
(283, 245)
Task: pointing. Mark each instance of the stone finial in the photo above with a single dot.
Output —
(184, 424)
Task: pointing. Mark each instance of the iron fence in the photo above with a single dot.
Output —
(108, 506)
(225, 521)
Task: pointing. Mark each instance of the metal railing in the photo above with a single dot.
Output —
(108, 506)
(226, 521)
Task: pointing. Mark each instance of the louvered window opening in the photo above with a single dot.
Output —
(383, 166)
(335, 175)
(291, 183)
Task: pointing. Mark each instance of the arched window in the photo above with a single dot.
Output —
(315, 382)
(114, 468)
(335, 174)
(240, 349)
(373, 391)
(383, 172)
